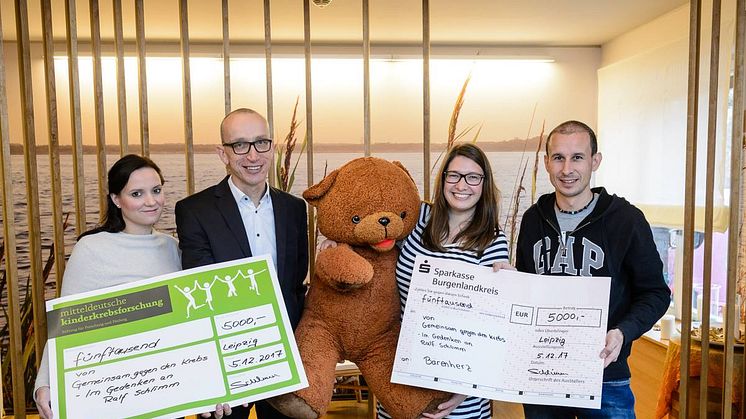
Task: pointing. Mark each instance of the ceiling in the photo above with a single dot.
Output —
(469, 22)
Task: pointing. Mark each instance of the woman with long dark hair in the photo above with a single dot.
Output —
(460, 224)
(123, 248)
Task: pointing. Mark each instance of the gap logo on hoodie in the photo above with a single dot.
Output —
(564, 260)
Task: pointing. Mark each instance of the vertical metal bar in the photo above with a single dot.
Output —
(15, 348)
(30, 169)
(689, 201)
(187, 94)
(309, 129)
(738, 141)
(121, 85)
(366, 77)
(142, 76)
(226, 60)
(426, 96)
(268, 66)
(40, 325)
(71, 28)
(712, 117)
(98, 106)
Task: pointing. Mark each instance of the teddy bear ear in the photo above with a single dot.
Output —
(315, 192)
(401, 166)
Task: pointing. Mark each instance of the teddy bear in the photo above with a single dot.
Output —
(352, 308)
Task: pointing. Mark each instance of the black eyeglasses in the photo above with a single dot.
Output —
(244, 147)
(472, 179)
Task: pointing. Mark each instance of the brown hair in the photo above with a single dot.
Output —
(484, 226)
(571, 127)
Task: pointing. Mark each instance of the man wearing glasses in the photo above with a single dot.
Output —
(243, 216)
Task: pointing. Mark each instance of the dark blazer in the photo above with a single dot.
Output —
(210, 230)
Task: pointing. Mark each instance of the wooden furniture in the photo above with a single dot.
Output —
(349, 369)
(668, 393)
(714, 396)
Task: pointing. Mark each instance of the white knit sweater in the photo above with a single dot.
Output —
(106, 259)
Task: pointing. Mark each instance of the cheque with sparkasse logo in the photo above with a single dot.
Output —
(503, 335)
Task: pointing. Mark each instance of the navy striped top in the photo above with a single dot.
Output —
(472, 407)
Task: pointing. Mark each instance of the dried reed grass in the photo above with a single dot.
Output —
(28, 355)
(535, 172)
(511, 217)
(453, 136)
(283, 159)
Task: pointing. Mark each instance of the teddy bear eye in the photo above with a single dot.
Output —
(356, 219)
(403, 214)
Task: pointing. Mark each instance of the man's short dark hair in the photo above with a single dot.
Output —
(571, 127)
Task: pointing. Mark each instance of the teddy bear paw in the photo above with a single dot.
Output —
(293, 406)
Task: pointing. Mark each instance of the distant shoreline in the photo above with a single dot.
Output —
(383, 147)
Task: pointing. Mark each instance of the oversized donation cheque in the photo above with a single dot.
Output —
(173, 345)
(506, 336)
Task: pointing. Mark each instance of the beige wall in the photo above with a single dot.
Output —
(664, 30)
(643, 107)
(501, 96)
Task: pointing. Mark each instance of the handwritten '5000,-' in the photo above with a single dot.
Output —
(569, 317)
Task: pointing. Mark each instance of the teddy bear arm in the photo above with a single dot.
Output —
(342, 264)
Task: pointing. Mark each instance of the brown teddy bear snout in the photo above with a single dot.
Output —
(380, 230)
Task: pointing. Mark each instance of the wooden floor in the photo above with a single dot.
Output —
(347, 409)
(355, 410)
(507, 410)
(351, 409)
(359, 410)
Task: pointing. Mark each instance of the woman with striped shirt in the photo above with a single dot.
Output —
(461, 224)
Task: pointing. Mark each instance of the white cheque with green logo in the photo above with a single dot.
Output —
(508, 335)
(173, 345)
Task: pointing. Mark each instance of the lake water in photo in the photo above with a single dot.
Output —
(209, 170)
